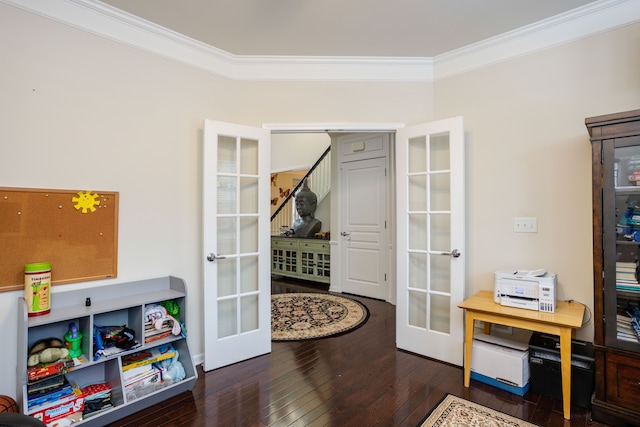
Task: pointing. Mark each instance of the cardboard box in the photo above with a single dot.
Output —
(500, 363)
(66, 408)
(76, 417)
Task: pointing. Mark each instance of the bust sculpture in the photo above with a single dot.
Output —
(306, 225)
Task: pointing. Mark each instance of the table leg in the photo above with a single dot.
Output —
(468, 347)
(565, 364)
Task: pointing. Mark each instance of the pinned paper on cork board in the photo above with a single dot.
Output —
(76, 231)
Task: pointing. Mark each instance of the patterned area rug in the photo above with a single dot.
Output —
(456, 411)
(306, 316)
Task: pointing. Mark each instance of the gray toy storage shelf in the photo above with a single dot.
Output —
(120, 304)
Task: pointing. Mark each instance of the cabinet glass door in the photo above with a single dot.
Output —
(622, 233)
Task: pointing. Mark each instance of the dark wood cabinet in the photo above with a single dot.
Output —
(615, 140)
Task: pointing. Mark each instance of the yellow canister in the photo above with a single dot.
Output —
(37, 288)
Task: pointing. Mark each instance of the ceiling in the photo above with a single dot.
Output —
(336, 28)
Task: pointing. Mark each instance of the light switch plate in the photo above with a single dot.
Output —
(525, 225)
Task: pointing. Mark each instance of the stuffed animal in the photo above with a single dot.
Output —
(47, 350)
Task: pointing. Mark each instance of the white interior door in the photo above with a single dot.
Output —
(237, 280)
(430, 239)
(363, 234)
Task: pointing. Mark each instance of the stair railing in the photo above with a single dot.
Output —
(319, 181)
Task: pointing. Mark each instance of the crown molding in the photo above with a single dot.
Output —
(591, 19)
(106, 21)
(331, 127)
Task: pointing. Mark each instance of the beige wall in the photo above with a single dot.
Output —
(528, 155)
(81, 112)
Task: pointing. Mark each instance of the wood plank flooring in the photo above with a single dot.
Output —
(356, 379)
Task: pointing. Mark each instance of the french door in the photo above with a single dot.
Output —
(237, 280)
(430, 239)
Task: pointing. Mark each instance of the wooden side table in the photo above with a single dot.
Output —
(566, 319)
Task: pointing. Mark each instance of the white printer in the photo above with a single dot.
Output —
(530, 289)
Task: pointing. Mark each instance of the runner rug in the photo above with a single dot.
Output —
(456, 411)
(306, 316)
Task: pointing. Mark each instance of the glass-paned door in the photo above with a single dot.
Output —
(621, 226)
(237, 288)
(430, 239)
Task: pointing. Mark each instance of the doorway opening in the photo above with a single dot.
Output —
(358, 235)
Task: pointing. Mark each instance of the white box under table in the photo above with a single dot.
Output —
(501, 362)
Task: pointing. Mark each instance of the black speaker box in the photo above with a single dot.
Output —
(546, 376)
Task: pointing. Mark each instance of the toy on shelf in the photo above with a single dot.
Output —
(161, 321)
(47, 357)
(73, 339)
(109, 340)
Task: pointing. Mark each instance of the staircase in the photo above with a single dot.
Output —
(319, 181)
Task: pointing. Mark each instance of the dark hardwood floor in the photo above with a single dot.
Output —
(356, 379)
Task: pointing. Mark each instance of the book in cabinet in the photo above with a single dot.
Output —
(615, 140)
(121, 304)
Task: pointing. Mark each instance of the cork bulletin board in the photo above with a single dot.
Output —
(75, 231)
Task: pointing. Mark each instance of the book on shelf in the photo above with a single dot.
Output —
(145, 357)
(626, 334)
(626, 275)
(630, 288)
(626, 338)
(627, 282)
(628, 328)
(150, 329)
(139, 371)
(627, 264)
(156, 337)
(623, 320)
(151, 333)
(630, 267)
(71, 402)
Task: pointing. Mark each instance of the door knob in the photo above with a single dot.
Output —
(213, 257)
(455, 253)
(345, 233)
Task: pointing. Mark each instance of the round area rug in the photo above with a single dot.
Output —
(306, 316)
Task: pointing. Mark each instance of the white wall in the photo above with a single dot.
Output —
(294, 151)
(102, 116)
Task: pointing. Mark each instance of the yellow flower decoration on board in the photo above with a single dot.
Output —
(86, 201)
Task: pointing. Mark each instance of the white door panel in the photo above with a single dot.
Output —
(363, 207)
(237, 288)
(431, 239)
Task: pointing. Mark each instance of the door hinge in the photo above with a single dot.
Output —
(385, 171)
(385, 277)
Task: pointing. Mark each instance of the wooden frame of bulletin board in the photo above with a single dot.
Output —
(75, 231)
